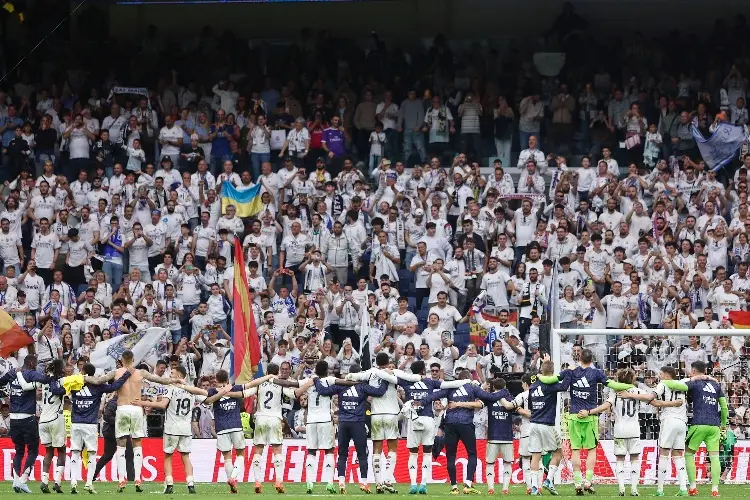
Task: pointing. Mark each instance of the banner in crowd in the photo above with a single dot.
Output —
(208, 463)
(247, 202)
(722, 146)
(147, 345)
(523, 196)
(740, 319)
(479, 336)
(128, 90)
(244, 332)
(12, 336)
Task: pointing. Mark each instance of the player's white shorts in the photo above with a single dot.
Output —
(523, 446)
(420, 432)
(268, 430)
(495, 450)
(543, 438)
(672, 434)
(384, 427)
(84, 436)
(129, 421)
(174, 443)
(320, 436)
(229, 440)
(52, 433)
(629, 446)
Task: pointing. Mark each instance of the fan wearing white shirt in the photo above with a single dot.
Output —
(171, 139)
(448, 316)
(532, 154)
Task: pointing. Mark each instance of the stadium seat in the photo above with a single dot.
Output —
(462, 336)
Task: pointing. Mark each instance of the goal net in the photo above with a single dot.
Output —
(645, 351)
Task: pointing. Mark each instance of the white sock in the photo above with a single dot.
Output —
(25, 477)
(310, 468)
(190, 481)
(376, 467)
(534, 478)
(45, 477)
(59, 471)
(467, 482)
(426, 468)
(75, 467)
(664, 468)
(679, 463)
(278, 467)
(238, 472)
(137, 462)
(391, 465)
(328, 468)
(169, 481)
(551, 474)
(635, 474)
(257, 472)
(91, 468)
(122, 468)
(489, 473)
(506, 474)
(526, 466)
(413, 458)
(228, 468)
(620, 473)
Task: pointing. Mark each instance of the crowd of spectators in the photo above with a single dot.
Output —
(396, 185)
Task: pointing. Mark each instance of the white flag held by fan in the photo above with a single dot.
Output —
(364, 339)
(144, 344)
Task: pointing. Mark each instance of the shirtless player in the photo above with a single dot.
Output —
(129, 419)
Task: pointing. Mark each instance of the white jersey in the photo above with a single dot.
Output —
(318, 406)
(625, 412)
(664, 393)
(51, 405)
(271, 399)
(387, 404)
(522, 401)
(179, 412)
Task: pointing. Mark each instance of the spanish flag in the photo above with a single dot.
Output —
(246, 202)
(740, 319)
(245, 339)
(12, 336)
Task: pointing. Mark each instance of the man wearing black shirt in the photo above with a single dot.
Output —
(190, 155)
(104, 152)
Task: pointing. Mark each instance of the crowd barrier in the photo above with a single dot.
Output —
(208, 463)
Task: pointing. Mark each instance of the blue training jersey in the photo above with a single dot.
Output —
(584, 387)
(543, 401)
(84, 404)
(463, 394)
(352, 398)
(227, 411)
(705, 395)
(499, 419)
(23, 401)
(418, 391)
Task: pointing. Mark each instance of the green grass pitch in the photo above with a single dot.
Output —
(296, 491)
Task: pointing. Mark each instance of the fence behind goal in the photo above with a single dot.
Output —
(727, 353)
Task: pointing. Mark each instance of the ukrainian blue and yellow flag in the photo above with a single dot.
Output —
(247, 202)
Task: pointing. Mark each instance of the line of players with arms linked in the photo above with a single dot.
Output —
(537, 405)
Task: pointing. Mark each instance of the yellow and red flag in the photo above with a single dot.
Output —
(246, 341)
(741, 319)
(12, 336)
